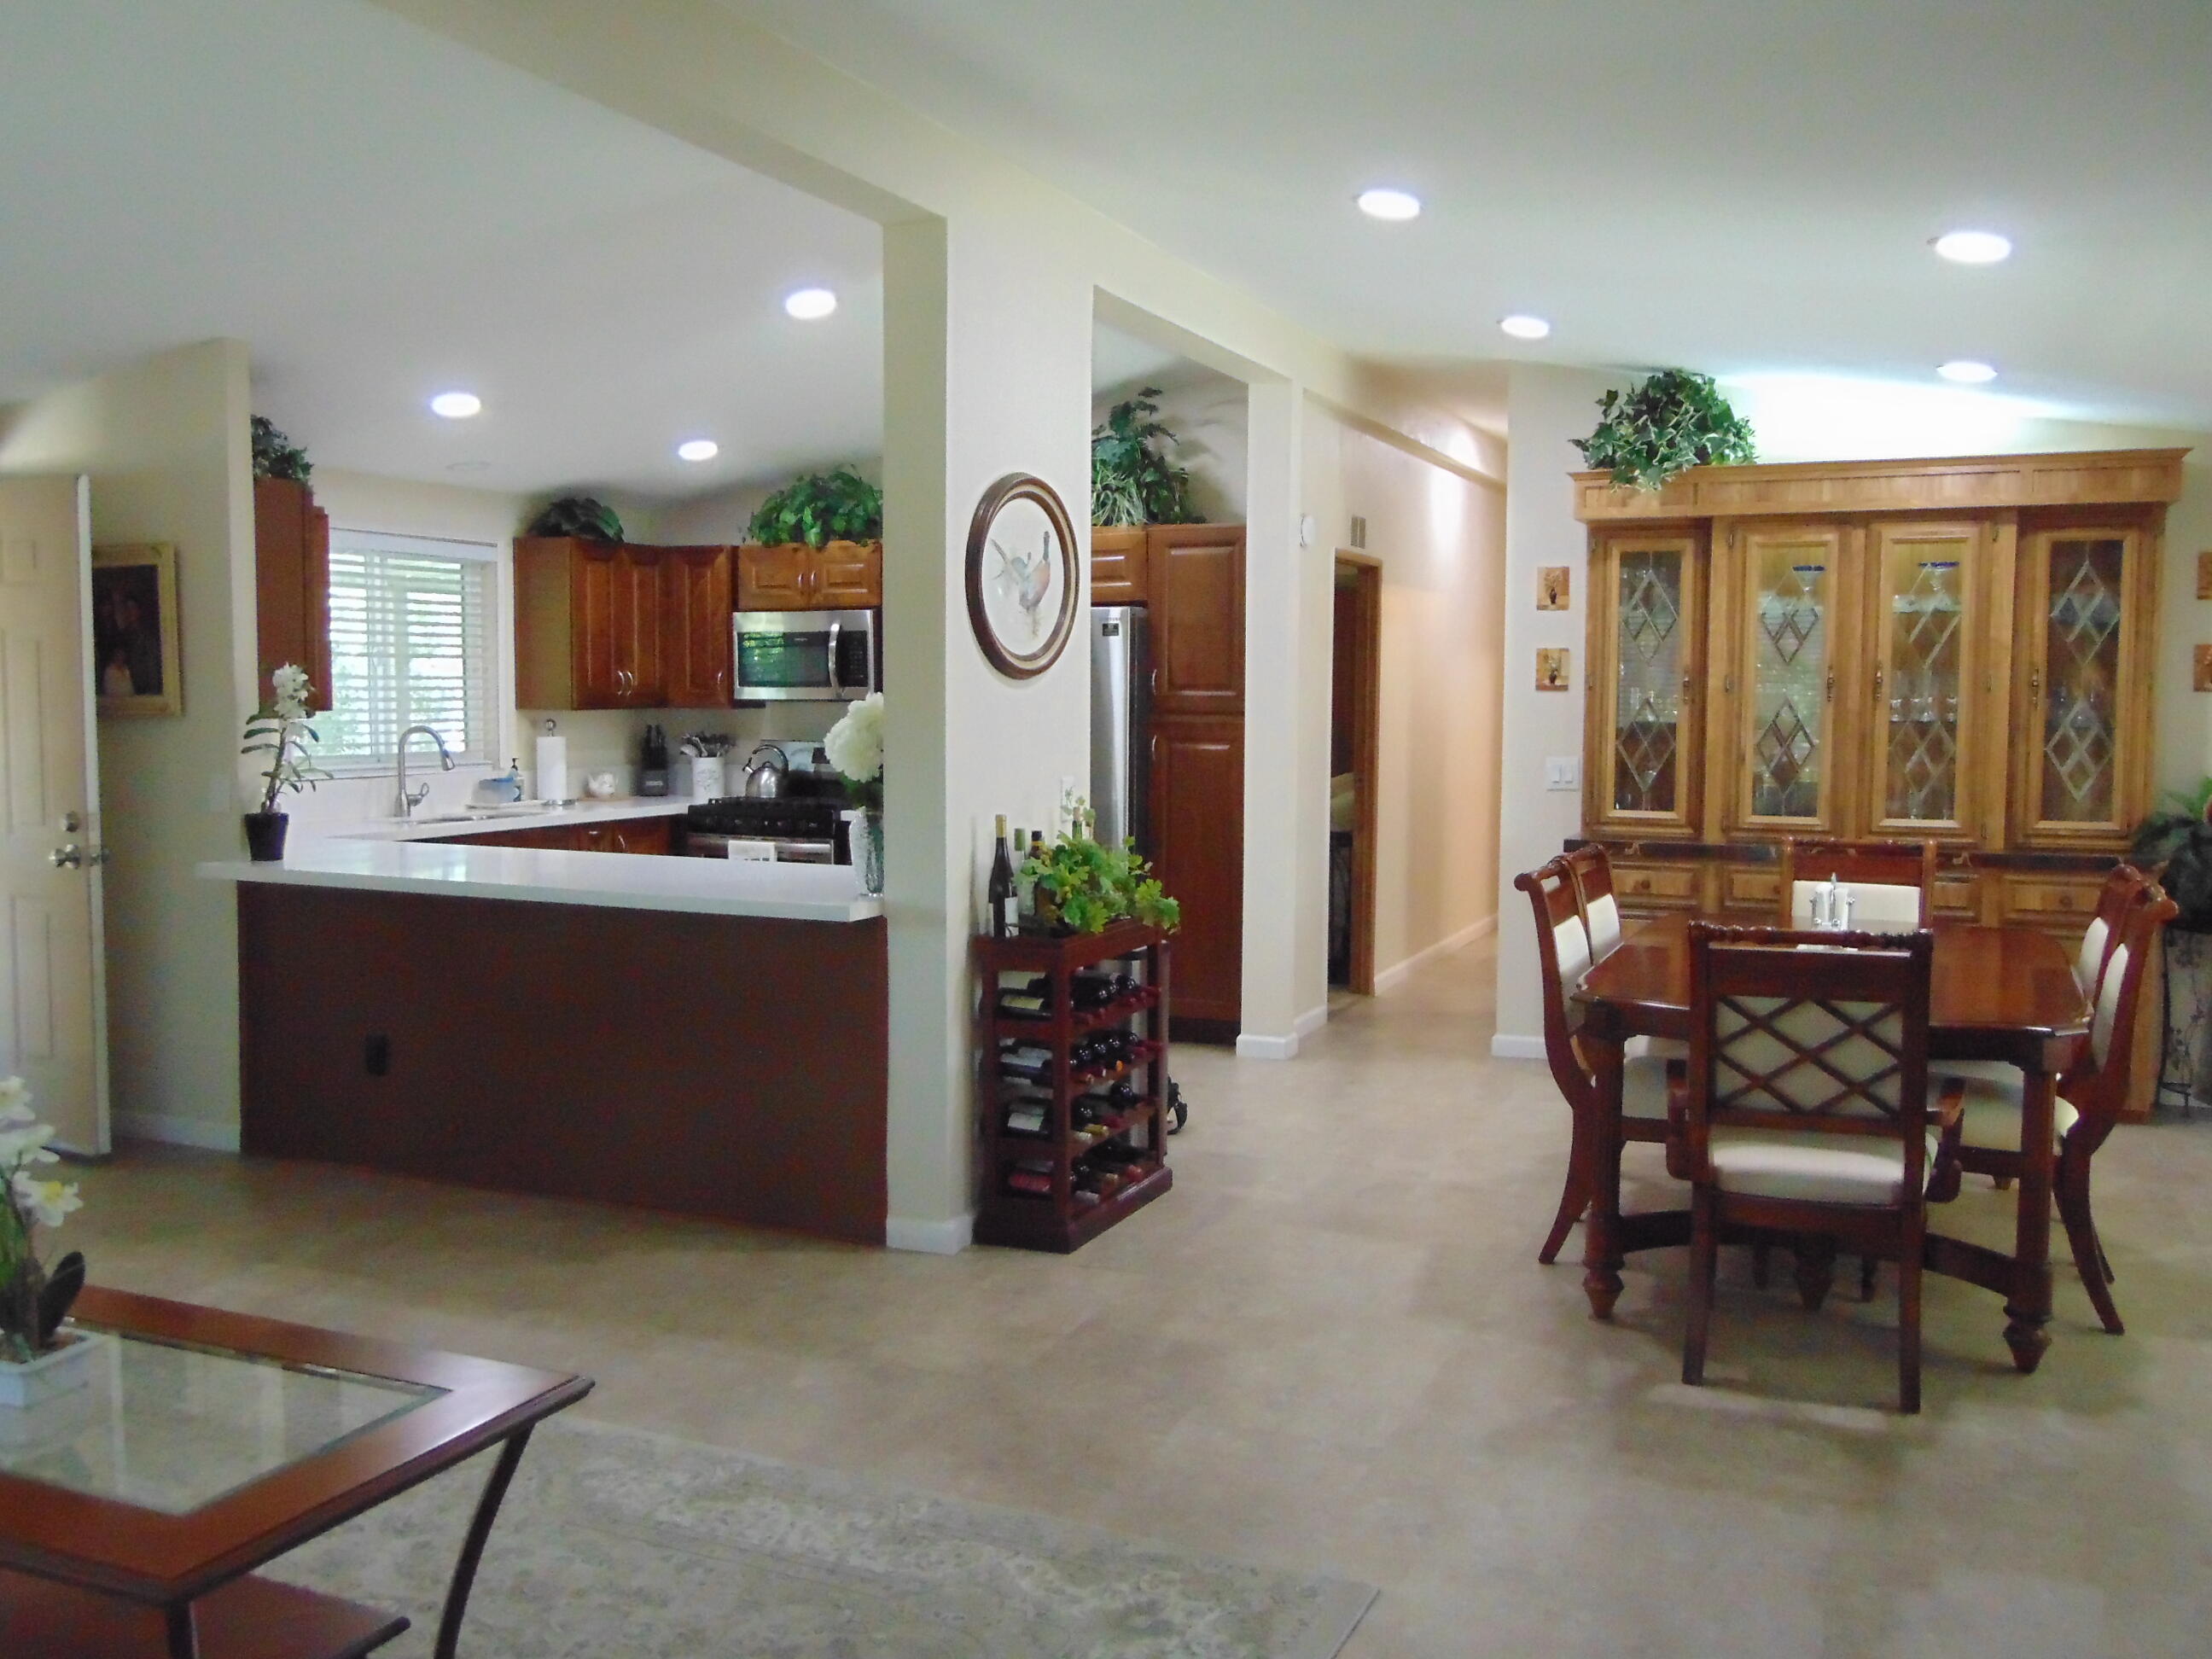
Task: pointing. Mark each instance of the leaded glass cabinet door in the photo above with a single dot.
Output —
(1645, 714)
(1793, 636)
(1929, 638)
(2087, 597)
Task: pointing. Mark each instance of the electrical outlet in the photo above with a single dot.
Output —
(1562, 772)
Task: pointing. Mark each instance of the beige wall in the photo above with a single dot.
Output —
(1802, 423)
(1441, 538)
(164, 445)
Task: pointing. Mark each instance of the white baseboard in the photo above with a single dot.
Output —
(175, 1131)
(1505, 1047)
(1252, 1046)
(930, 1237)
(1392, 977)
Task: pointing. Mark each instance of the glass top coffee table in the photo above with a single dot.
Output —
(134, 1509)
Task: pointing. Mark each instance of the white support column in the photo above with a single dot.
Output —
(1285, 739)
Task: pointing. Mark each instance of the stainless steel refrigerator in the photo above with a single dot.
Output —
(1121, 719)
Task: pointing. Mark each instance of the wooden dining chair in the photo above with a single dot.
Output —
(1893, 882)
(1806, 1106)
(1592, 868)
(1563, 957)
(1987, 1136)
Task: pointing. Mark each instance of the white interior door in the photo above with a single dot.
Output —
(53, 1016)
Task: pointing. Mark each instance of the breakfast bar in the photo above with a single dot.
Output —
(705, 1036)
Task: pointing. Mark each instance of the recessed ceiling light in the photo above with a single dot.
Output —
(1973, 247)
(810, 305)
(1521, 326)
(698, 449)
(456, 405)
(1393, 204)
(1966, 372)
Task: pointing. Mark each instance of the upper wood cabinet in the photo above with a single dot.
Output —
(1195, 581)
(2081, 705)
(1647, 645)
(291, 586)
(793, 576)
(1117, 564)
(697, 594)
(1957, 650)
(587, 622)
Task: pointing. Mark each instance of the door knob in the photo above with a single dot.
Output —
(70, 857)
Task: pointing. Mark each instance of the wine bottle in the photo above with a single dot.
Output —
(1004, 917)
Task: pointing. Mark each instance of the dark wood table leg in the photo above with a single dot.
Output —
(1602, 1253)
(183, 1632)
(2027, 1309)
(464, 1569)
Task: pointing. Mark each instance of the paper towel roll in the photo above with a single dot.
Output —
(552, 767)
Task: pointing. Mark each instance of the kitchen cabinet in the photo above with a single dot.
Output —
(291, 586)
(1646, 675)
(1117, 564)
(651, 835)
(1198, 853)
(793, 576)
(1195, 578)
(698, 595)
(588, 624)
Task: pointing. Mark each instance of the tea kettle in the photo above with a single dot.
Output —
(766, 771)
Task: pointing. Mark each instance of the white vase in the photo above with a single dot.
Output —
(56, 1372)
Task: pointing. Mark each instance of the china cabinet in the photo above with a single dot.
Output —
(1956, 650)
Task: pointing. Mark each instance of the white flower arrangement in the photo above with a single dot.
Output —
(26, 1202)
(281, 731)
(855, 748)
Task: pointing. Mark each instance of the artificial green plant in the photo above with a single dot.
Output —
(837, 506)
(1667, 424)
(1132, 480)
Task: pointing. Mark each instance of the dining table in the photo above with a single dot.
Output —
(1995, 993)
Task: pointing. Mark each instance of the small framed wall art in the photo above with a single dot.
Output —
(137, 664)
(2204, 574)
(1552, 587)
(1552, 668)
(2200, 679)
(1022, 578)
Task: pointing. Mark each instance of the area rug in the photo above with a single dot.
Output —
(617, 1544)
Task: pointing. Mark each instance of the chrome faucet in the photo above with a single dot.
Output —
(406, 800)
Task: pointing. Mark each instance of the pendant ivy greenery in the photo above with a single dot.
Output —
(1132, 480)
(1671, 423)
(837, 506)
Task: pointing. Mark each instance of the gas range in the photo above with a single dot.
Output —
(794, 831)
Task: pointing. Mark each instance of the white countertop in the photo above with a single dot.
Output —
(798, 892)
(444, 825)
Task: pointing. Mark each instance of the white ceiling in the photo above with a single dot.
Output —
(1735, 185)
(383, 215)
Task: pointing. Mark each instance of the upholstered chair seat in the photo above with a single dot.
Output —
(1814, 1169)
(1661, 1048)
(1991, 1117)
(1644, 1081)
(1876, 906)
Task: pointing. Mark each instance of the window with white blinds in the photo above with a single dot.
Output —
(411, 645)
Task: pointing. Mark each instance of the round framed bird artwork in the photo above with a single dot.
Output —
(1021, 576)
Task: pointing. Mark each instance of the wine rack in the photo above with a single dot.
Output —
(1072, 1142)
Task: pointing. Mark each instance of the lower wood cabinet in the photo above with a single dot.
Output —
(650, 835)
(1198, 853)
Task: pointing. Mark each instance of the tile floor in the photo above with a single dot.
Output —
(1331, 1347)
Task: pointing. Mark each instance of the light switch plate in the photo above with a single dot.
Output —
(1563, 771)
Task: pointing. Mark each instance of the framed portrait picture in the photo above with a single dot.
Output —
(2203, 678)
(1552, 668)
(1552, 587)
(1021, 576)
(137, 667)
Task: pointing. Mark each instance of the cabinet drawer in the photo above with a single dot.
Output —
(1752, 890)
(1958, 896)
(2054, 900)
(1656, 886)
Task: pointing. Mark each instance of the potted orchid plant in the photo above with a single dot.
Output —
(281, 732)
(855, 748)
(37, 1359)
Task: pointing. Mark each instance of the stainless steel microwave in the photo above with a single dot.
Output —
(805, 656)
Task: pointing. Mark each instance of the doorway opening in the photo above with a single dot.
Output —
(1355, 714)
